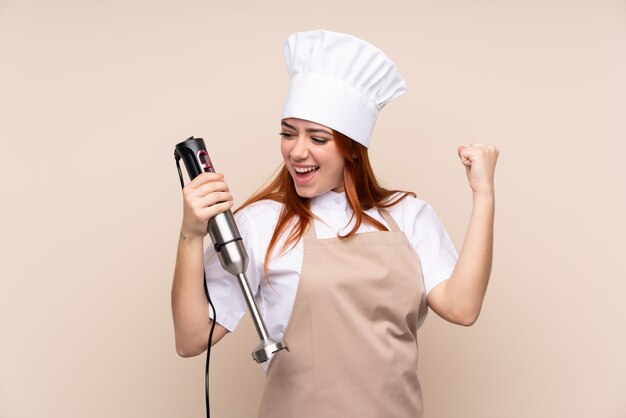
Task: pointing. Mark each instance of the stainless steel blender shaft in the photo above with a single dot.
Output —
(267, 346)
(234, 258)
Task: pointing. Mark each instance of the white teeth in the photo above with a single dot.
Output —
(304, 170)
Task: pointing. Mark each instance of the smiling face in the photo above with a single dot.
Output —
(312, 157)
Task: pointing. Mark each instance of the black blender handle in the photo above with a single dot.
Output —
(195, 156)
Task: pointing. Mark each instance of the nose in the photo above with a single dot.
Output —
(300, 150)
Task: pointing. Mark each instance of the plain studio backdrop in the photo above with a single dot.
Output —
(94, 96)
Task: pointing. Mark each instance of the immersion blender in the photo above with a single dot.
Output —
(228, 244)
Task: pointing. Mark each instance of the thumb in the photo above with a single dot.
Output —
(465, 159)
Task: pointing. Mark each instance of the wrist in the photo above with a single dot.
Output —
(189, 238)
(484, 194)
(483, 202)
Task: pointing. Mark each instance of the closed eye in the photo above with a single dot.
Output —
(320, 140)
(288, 135)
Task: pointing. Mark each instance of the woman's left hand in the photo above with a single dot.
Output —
(480, 165)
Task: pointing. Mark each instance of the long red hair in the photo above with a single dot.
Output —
(362, 190)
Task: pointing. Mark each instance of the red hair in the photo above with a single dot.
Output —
(362, 190)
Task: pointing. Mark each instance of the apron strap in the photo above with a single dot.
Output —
(310, 234)
(389, 219)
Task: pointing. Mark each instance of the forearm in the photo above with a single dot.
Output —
(189, 303)
(464, 292)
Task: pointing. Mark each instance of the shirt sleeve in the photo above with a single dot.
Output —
(223, 287)
(430, 240)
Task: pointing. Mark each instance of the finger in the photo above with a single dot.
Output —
(218, 208)
(210, 187)
(480, 151)
(466, 162)
(465, 154)
(477, 144)
(214, 198)
(492, 149)
(204, 178)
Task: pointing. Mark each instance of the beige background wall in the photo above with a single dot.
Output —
(94, 95)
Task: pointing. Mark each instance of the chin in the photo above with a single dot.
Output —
(307, 194)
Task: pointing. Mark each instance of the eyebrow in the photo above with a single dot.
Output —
(307, 130)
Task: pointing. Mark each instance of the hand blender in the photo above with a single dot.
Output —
(228, 244)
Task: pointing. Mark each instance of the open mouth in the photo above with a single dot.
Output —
(302, 175)
(305, 171)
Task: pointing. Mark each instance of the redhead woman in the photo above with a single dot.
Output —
(343, 269)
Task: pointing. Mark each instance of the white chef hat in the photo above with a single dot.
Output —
(339, 81)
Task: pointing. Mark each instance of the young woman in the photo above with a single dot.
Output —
(344, 270)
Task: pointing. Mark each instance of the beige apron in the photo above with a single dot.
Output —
(352, 332)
